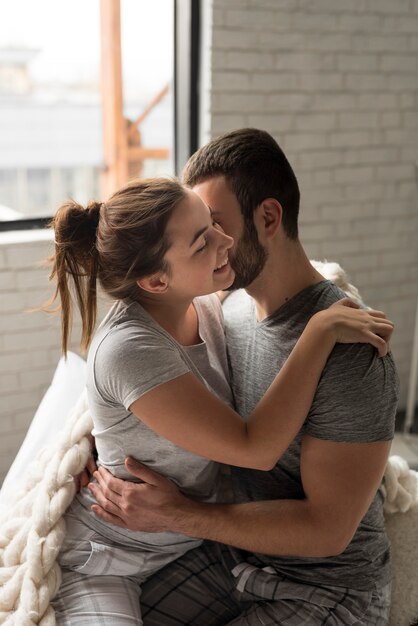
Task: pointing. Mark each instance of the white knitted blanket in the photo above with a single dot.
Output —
(32, 527)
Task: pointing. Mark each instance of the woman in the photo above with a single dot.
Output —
(158, 378)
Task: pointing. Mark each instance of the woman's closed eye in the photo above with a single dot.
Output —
(204, 246)
(216, 225)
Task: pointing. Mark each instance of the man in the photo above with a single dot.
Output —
(308, 537)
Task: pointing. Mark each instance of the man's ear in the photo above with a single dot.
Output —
(155, 283)
(269, 215)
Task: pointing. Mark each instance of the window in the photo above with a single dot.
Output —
(51, 100)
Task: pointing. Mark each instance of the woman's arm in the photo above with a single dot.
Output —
(185, 412)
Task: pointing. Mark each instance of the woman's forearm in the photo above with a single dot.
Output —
(185, 412)
(280, 413)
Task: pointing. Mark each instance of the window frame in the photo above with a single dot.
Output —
(187, 53)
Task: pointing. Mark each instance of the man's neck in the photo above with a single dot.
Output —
(286, 273)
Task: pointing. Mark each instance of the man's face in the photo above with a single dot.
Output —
(248, 256)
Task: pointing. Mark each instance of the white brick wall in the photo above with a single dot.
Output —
(337, 84)
(29, 342)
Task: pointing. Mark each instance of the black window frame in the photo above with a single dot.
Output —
(187, 44)
(187, 53)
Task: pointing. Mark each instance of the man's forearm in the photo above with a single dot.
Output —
(275, 527)
(340, 482)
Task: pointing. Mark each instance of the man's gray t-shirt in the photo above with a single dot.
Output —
(355, 402)
(131, 354)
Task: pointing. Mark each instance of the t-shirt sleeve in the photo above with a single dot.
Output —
(213, 304)
(356, 397)
(131, 361)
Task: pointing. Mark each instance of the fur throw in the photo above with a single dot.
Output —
(401, 520)
(335, 273)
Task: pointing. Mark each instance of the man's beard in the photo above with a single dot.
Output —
(248, 260)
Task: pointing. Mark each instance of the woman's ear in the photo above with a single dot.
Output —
(269, 214)
(155, 283)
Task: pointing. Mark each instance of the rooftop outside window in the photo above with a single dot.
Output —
(53, 90)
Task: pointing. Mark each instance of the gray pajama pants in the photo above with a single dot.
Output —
(200, 589)
(103, 569)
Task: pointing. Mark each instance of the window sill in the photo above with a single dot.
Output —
(9, 237)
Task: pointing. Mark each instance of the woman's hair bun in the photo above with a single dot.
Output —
(93, 214)
(73, 222)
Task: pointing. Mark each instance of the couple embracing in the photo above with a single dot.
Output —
(289, 386)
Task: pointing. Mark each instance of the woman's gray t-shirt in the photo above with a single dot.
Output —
(130, 355)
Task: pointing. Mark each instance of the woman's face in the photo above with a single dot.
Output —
(198, 256)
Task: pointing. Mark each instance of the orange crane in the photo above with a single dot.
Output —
(124, 154)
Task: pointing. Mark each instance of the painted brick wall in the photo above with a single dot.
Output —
(336, 83)
(29, 342)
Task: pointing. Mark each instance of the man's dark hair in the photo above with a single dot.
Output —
(255, 168)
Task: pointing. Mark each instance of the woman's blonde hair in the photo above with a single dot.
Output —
(116, 242)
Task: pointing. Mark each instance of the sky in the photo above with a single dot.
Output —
(67, 34)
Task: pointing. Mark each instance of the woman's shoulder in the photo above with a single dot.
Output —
(127, 330)
(128, 356)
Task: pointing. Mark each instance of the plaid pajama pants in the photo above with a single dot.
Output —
(208, 587)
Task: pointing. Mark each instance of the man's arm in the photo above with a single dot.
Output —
(339, 480)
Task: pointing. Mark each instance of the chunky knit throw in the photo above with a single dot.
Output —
(32, 527)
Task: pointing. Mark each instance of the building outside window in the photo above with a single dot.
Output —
(51, 99)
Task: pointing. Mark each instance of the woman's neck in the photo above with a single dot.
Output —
(178, 319)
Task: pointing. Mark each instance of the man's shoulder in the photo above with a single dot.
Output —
(359, 363)
(357, 396)
(327, 294)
